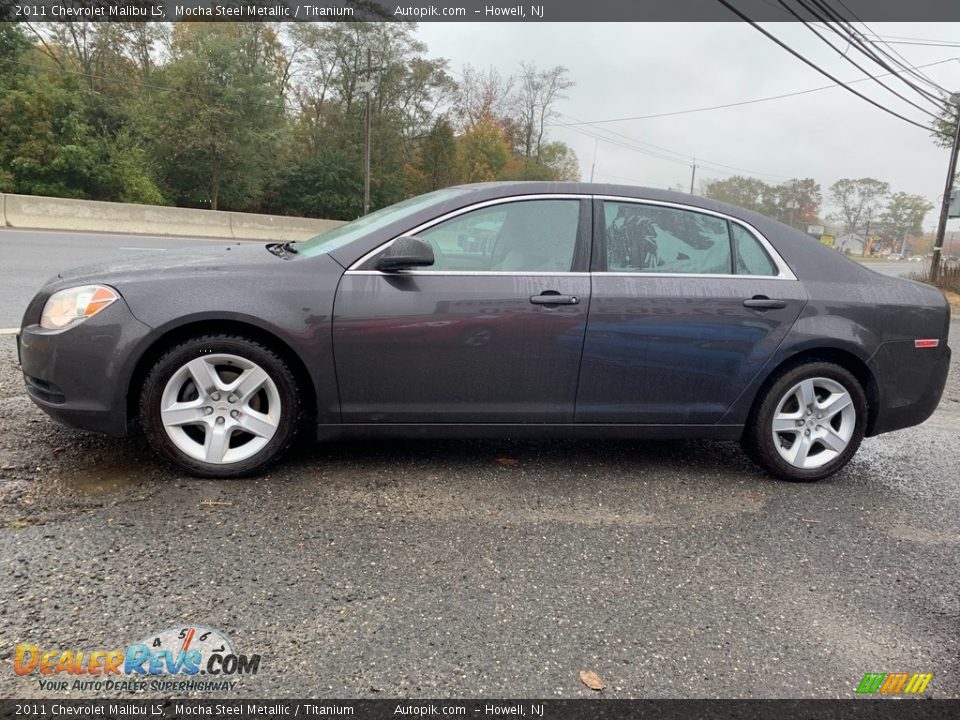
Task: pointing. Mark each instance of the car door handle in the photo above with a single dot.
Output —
(552, 297)
(762, 302)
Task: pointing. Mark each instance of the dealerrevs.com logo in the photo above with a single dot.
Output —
(183, 659)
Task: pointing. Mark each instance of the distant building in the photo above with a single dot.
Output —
(851, 244)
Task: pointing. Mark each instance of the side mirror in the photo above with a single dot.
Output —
(405, 252)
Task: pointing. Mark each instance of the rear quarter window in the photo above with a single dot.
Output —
(750, 257)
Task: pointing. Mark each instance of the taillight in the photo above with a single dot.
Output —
(926, 343)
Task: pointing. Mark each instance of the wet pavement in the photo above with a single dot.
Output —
(491, 569)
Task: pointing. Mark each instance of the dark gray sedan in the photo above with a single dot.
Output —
(499, 309)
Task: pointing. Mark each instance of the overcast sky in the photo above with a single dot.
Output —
(624, 70)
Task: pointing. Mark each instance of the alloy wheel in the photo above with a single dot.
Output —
(813, 422)
(220, 408)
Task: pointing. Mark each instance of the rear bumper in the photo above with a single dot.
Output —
(910, 382)
(79, 376)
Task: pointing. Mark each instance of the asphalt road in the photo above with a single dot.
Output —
(492, 569)
(29, 258)
(897, 269)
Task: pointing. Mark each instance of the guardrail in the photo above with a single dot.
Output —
(35, 212)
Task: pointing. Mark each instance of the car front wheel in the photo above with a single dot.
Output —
(220, 406)
(808, 424)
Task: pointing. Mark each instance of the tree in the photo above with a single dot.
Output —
(798, 201)
(945, 126)
(328, 184)
(745, 192)
(483, 94)
(557, 162)
(482, 152)
(795, 202)
(437, 160)
(562, 160)
(859, 201)
(537, 93)
(52, 139)
(217, 126)
(407, 90)
(904, 216)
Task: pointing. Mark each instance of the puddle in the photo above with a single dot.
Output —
(106, 476)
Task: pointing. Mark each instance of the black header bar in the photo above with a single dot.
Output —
(462, 10)
(596, 709)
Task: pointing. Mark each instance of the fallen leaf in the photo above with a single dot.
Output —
(507, 461)
(210, 503)
(591, 680)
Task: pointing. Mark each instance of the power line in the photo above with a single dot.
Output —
(932, 43)
(867, 47)
(893, 50)
(889, 38)
(849, 34)
(687, 156)
(820, 70)
(739, 103)
(886, 39)
(714, 167)
(850, 60)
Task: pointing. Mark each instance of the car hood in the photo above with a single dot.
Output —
(201, 261)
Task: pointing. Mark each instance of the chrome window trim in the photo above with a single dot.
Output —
(708, 276)
(452, 214)
(468, 273)
(784, 271)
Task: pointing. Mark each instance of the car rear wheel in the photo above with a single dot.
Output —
(220, 406)
(808, 424)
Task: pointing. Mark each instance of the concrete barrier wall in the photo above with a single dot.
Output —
(250, 226)
(48, 213)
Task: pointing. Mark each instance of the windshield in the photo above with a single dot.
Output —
(340, 236)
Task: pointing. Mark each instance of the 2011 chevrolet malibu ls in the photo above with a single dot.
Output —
(497, 309)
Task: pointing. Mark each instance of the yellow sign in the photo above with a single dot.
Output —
(827, 239)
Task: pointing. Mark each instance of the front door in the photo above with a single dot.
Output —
(491, 333)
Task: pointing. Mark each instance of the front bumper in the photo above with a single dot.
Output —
(80, 375)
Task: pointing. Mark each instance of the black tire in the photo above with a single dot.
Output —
(758, 440)
(176, 358)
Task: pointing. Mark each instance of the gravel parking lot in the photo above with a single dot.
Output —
(492, 569)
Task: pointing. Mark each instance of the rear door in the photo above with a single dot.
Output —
(687, 306)
(492, 333)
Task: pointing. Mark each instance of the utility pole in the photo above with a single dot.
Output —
(594, 166)
(792, 206)
(366, 134)
(693, 174)
(948, 187)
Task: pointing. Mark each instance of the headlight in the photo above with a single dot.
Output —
(70, 306)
